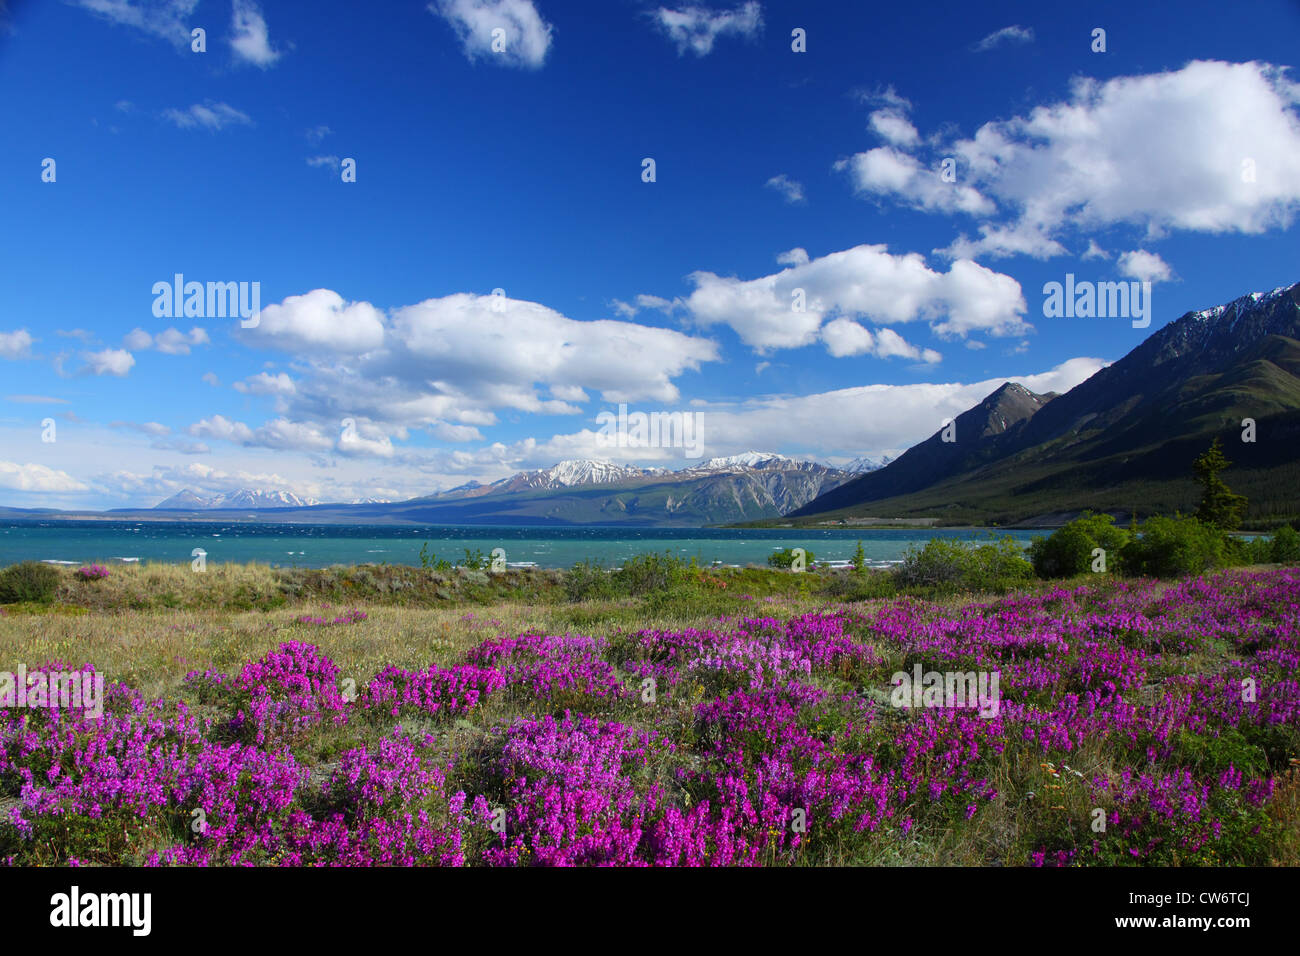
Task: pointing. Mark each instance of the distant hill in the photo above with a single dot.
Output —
(744, 487)
(1121, 441)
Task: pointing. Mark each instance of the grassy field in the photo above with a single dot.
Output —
(385, 715)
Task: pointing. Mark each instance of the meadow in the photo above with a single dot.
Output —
(661, 715)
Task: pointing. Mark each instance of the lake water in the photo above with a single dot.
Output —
(314, 546)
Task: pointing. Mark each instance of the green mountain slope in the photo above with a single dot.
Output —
(1121, 441)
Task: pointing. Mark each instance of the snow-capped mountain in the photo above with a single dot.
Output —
(748, 459)
(860, 466)
(249, 498)
(569, 474)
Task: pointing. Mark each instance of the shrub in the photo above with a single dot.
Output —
(785, 558)
(28, 581)
(645, 573)
(940, 564)
(1069, 550)
(588, 581)
(1285, 546)
(1173, 547)
(947, 565)
(997, 566)
(93, 573)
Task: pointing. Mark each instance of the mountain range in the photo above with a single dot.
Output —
(1122, 441)
(744, 487)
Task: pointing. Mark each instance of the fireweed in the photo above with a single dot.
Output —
(767, 741)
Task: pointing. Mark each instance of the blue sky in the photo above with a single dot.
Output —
(1172, 157)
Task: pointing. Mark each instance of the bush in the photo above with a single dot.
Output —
(1173, 547)
(645, 573)
(28, 581)
(785, 558)
(588, 581)
(1285, 546)
(998, 566)
(1069, 550)
(947, 565)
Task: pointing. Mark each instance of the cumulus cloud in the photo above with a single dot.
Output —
(249, 36)
(1144, 266)
(694, 29)
(33, 477)
(894, 127)
(866, 282)
(844, 337)
(318, 321)
(212, 116)
(849, 422)
(264, 384)
(16, 344)
(526, 36)
(448, 365)
(108, 362)
(1212, 147)
(886, 171)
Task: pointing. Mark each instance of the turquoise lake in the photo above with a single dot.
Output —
(111, 542)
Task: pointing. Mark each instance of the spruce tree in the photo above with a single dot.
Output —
(1219, 506)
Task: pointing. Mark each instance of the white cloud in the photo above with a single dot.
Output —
(527, 37)
(1017, 239)
(264, 384)
(213, 116)
(793, 257)
(220, 427)
(32, 477)
(695, 28)
(844, 337)
(108, 362)
(170, 342)
(14, 345)
(1144, 266)
(175, 342)
(1094, 251)
(886, 171)
(249, 39)
(1007, 35)
(169, 19)
(787, 187)
(318, 321)
(211, 379)
(892, 126)
(868, 419)
(1212, 147)
(865, 281)
(447, 365)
